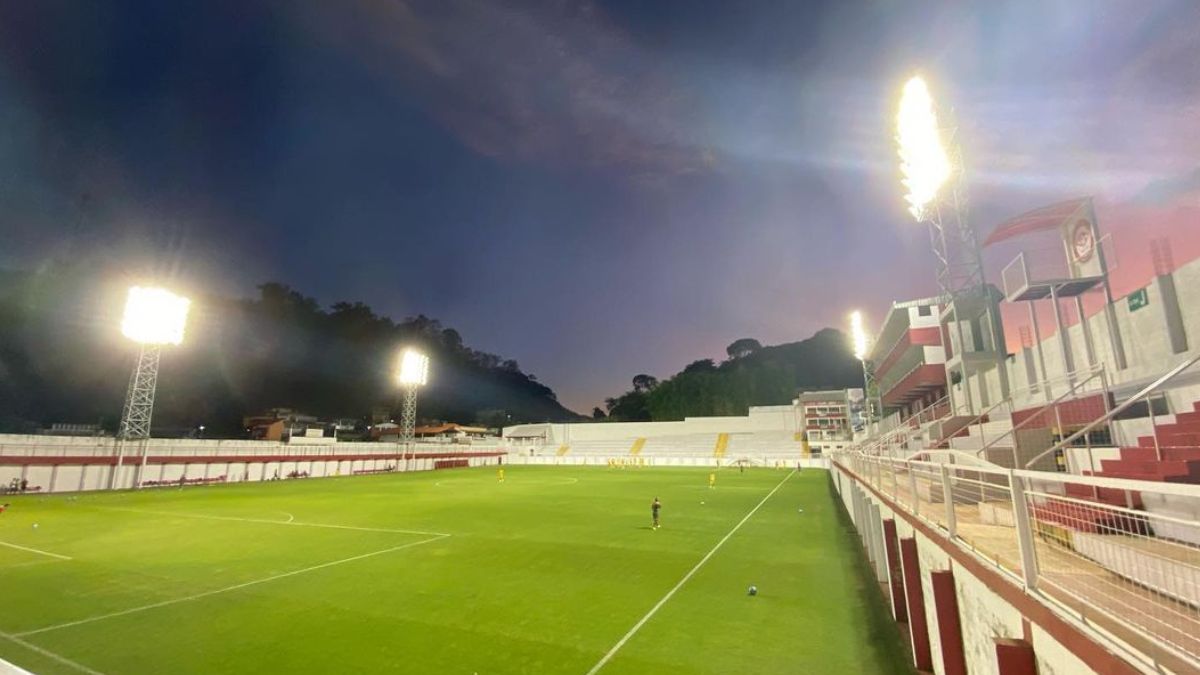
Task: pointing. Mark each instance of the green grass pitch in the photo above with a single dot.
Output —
(445, 572)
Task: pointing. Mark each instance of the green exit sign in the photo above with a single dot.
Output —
(1138, 299)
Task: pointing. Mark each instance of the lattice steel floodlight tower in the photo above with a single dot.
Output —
(871, 394)
(153, 317)
(413, 373)
(932, 167)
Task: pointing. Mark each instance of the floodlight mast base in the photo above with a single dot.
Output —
(408, 414)
(139, 406)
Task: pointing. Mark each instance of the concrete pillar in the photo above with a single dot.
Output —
(895, 575)
(1064, 339)
(945, 603)
(1176, 333)
(918, 626)
(1088, 347)
(1015, 657)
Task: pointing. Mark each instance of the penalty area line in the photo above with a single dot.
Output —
(48, 654)
(654, 610)
(38, 551)
(227, 589)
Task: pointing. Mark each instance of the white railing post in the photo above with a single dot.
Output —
(948, 499)
(1024, 531)
(912, 486)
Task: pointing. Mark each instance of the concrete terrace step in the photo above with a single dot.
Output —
(1179, 427)
(1171, 440)
(1103, 495)
(1170, 454)
(1161, 468)
(1150, 477)
(1082, 518)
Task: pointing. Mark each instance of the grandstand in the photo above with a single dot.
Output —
(767, 435)
(1069, 474)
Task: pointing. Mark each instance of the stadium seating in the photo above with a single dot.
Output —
(1172, 457)
(726, 446)
(1176, 459)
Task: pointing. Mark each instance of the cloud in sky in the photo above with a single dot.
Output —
(550, 82)
(596, 188)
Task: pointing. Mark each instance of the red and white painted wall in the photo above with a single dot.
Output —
(72, 464)
(961, 615)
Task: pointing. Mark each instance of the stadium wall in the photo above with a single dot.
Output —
(960, 615)
(74, 464)
(782, 418)
(659, 461)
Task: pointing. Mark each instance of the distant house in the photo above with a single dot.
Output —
(267, 430)
(452, 432)
(290, 423)
(443, 433)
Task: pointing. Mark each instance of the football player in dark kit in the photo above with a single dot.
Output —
(654, 507)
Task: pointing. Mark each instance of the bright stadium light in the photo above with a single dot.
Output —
(931, 167)
(413, 373)
(414, 368)
(923, 160)
(153, 317)
(859, 335)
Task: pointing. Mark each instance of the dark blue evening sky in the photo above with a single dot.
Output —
(595, 189)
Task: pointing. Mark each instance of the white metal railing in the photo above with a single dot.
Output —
(1133, 573)
(900, 436)
(1144, 395)
(1021, 398)
(1097, 377)
(1017, 265)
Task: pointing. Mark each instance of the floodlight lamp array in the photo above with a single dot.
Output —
(154, 316)
(924, 164)
(858, 335)
(414, 369)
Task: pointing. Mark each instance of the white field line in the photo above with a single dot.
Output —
(204, 516)
(34, 550)
(653, 610)
(290, 517)
(49, 654)
(245, 584)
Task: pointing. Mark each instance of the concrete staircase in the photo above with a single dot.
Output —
(1175, 460)
(721, 446)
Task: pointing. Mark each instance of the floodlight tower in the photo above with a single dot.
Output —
(874, 410)
(412, 374)
(153, 317)
(932, 167)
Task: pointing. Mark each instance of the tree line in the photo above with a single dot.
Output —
(62, 359)
(750, 375)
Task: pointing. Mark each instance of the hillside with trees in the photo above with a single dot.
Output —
(751, 375)
(62, 359)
